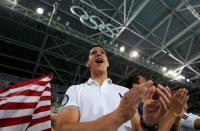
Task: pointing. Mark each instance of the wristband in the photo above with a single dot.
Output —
(146, 128)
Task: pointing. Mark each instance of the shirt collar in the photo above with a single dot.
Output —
(91, 81)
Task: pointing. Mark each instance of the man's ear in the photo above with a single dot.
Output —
(108, 63)
(87, 64)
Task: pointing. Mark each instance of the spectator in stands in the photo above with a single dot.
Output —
(100, 105)
(175, 110)
(138, 78)
(191, 122)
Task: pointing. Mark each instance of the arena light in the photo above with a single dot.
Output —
(174, 74)
(188, 80)
(164, 69)
(116, 45)
(179, 77)
(170, 72)
(134, 54)
(58, 18)
(67, 23)
(122, 49)
(40, 11)
(165, 74)
(183, 77)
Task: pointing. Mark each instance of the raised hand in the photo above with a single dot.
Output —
(176, 107)
(165, 94)
(155, 109)
(131, 100)
(178, 102)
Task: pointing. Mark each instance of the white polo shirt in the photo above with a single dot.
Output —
(188, 124)
(95, 101)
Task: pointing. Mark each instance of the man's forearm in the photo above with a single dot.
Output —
(167, 122)
(109, 122)
(176, 125)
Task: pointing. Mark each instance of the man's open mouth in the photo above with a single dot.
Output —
(99, 60)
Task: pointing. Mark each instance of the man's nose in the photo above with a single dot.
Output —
(99, 54)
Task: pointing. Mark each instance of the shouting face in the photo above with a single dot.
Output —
(97, 60)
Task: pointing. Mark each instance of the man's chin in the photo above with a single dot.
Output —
(151, 120)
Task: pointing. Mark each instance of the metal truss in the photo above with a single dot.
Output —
(168, 17)
(66, 30)
(195, 23)
(165, 45)
(28, 61)
(124, 24)
(45, 20)
(18, 43)
(127, 21)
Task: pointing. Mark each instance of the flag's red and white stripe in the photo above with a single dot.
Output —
(26, 106)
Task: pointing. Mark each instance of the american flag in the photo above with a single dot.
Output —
(26, 106)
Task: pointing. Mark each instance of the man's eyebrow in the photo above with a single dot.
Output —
(93, 51)
(103, 51)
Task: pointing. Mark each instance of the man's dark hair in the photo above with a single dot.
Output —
(86, 56)
(133, 79)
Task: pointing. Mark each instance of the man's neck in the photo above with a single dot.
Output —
(99, 77)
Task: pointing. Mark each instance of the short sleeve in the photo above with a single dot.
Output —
(70, 98)
(189, 122)
(124, 90)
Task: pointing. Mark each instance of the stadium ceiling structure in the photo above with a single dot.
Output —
(158, 37)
